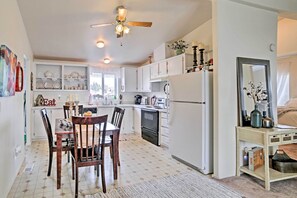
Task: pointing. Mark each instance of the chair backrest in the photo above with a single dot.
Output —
(67, 112)
(117, 117)
(47, 126)
(87, 132)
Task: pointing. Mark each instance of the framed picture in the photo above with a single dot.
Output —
(8, 62)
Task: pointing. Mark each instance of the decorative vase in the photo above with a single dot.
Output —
(179, 51)
(256, 118)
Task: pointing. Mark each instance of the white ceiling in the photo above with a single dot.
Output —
(60, 29)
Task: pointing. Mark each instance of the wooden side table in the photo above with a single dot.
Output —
(264, 137)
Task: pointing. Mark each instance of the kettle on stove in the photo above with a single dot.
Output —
(138, 99)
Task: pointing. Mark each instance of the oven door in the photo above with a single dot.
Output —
(150, 119)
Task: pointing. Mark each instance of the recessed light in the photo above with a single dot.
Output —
(106, 60)
(100, 44)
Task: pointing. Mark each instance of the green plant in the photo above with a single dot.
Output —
(181, 44)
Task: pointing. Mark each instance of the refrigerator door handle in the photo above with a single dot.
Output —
(189, 102)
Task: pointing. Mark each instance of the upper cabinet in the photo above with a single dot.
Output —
(75, 77)
(172, 66)
(143, 79)
(50, 76)
(129, 79)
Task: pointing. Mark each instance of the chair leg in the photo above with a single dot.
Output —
(50, 162)
(68, 155)
(103, 177)
(76, 181)
(97, 167)
(119, 164)
(72, 162)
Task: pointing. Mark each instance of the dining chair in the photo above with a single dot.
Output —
(117, 118)
(51, 143)
(68, 112)
(88, 149)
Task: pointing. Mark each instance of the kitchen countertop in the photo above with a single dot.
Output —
(104, 106)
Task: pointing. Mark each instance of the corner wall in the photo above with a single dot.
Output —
(13, 35)
(238, 31)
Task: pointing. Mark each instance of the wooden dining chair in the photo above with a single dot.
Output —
(66, 146)
(88, 150)
(117, 118)
(67, 111)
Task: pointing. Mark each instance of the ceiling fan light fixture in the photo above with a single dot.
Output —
(126, 30)
(100, 44)
(106, 60)
(119, 28)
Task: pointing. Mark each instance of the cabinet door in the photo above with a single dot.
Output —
(105, 111)
(137, 120)
(146, 73)
(129, 79)
(139, 79)
(38, 127)
(163, 68)
(175, 65)
(154, 70)
(127, 123)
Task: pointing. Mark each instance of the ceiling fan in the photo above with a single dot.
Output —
(121, 24)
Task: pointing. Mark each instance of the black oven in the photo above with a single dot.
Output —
(150, 125)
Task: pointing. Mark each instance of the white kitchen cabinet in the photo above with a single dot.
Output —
(154, 70)
(176, 65)
(105, 111)
(128, 79)
(139, 79)
(164, 130)
(143, 79)
(146, 84)
(172, 66)
(38, 131)
(127, 123)
(137, 120)
(163, 68)
(56, 76)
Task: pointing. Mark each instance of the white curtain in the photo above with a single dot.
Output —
(283, 82)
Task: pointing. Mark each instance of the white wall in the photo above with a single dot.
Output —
(12, 34)
(238, 31)
(202, 34)
(287, 37)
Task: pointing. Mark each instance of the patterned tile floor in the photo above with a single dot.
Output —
(140, 161)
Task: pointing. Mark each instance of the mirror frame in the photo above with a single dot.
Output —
(240, 92)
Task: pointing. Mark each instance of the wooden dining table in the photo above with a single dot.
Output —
(60, 132)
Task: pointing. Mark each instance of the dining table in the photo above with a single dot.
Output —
(64, 132)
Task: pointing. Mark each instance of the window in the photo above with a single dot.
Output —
(103, 85)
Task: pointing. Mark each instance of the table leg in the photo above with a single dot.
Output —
(59, 159)
(266, 164)
(237, 154)
(115, 154)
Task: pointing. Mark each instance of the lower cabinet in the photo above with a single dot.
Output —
(127, 124)
(38, 130)
(164, 130)
(137, 120)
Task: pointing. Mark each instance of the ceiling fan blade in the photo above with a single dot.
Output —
(101, 25)
(141, 24)
(122, 13)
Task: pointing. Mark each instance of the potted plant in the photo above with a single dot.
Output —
(179, 46)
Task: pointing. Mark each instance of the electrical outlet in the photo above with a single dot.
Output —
(17, 151)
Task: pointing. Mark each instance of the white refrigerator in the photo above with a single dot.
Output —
(190, 120)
